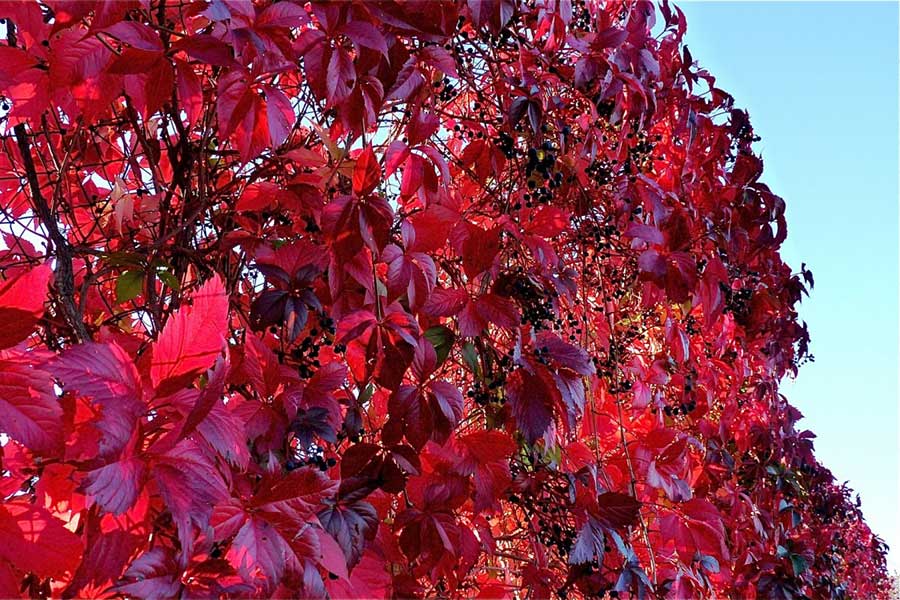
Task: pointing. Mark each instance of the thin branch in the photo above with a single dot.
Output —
(64, 277)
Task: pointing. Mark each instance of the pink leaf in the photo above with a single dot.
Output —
(260, 554)
(364, 34)
(29, 410)
(105, 374)
(280, 115)
(295, 496)
(532, 400)
(565, 354)
(647, 233)
(190, 486)
(116, 486)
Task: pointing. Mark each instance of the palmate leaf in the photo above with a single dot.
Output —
(617, 511)
(190, 486)
(107, 376)
(191, 340)
(116, 485)
(533, 401)
(589, 545)
(29, 410)
(34, 540)
(22, 303)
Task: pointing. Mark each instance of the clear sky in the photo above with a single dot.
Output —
(820, 81)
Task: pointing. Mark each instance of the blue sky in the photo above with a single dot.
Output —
(820, 81)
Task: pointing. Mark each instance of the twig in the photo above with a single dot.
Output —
(64, 277)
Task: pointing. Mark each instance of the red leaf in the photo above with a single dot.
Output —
(206, 48)
(137, 35)
(479, 250)
(413, 175)
(208, 398)
(491, 482)
(498, 310)
(224, 430)
(409, 408)
(653, 264)
(190, 92)
(13, 62)
(332, 557)
(22, 304)
(394, 156)
(421, 127)
(350, 524)
(257, 196)
(154, 574)
(79, 65)
(409, 80)
(193, 337)
(355, 325)
(234, 100)
(450, 407)
(617, 511)
(340, 77)
(105, 557)
(327, 379)
(440, 59)
(700, 529)
(485, 454)
(282, 14)
(647, 233)
(295, 496)
(356, 458)
(446, 302)
(35, 541)
(366, 172)
(484, 447)
(548, 221)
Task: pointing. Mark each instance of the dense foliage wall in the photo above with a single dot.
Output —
(424, 298)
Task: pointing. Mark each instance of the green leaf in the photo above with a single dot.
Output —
(168, 278)
(123, 259)
(442, 339)
(470, 355)
(554, 455)
(366, 393)
(799, 564)
(129, 285)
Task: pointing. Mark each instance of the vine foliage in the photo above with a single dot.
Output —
(413, 299)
